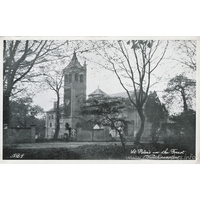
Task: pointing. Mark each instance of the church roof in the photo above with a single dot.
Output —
(74, 62)
(124, 94)
(121, 94)
(53, 109)
(98, 92)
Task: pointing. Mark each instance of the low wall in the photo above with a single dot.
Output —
(84, 136)
(19, 135)
(95, 135)
(99, 135)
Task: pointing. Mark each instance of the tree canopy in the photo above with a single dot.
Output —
(24, 113)
(133, 63)
(156, 114)
(108, 111)
(20, 57)
(180, 87)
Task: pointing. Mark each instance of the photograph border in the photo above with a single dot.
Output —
(196, 161)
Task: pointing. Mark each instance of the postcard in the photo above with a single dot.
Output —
(100, 100)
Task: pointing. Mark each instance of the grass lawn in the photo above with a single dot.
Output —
(85, 152)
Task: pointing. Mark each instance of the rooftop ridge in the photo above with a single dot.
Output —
(98, 92)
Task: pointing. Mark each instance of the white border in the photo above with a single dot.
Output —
(197, 160)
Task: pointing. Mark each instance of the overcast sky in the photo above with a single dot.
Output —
(108, 82)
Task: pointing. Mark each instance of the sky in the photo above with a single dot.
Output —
(108, 82)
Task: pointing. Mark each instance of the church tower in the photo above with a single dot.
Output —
(74, 91)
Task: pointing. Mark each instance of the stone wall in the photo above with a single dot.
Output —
(99, 135)
(19, 135)
(95, 135)
(85, 136)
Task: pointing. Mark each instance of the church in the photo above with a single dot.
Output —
(73, 122)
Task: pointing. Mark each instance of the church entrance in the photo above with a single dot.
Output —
(67, 130)
(78, 128)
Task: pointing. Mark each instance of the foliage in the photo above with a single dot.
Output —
(156, 113)
(20, 57)
(24, 114)
(108, 111)
(186, 121)
(182, 87)
(109, 107)
(185, 132)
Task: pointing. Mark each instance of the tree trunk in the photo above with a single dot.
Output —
(57, 124)
(6, 109)
(139, 133)
(122, 139)
(185, 107)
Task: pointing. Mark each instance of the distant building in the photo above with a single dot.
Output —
(72, 122)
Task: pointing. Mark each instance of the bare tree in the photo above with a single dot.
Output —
(19, 59)
(55, 82)
(187, 53)
(133, 62)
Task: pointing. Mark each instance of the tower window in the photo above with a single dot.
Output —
(70, 78)
(76, 77)
(50, 124)
(81, 78)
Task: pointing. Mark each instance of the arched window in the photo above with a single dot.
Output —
(81, 78)
(50, 124)
(76, 77)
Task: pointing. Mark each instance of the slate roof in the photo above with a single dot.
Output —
(97, 93)
(121, 94)
(53, 109)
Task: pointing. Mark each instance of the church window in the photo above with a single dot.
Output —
(76, 77)
(81, 78)
(70, 78)
(50, 124)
